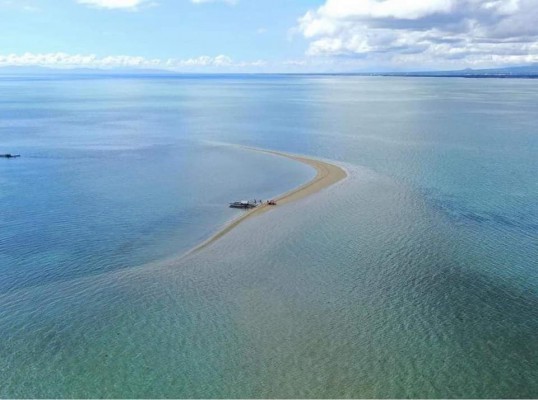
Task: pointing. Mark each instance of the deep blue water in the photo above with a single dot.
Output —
(415, 277)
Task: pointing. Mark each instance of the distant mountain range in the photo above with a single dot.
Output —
(527, 71)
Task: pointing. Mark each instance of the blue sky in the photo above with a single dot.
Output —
(269, 35)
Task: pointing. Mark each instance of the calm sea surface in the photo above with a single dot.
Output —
(415, 277)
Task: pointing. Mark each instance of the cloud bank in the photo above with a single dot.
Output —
(64, 60)
(434, 33)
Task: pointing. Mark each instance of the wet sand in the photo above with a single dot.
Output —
(326, 175)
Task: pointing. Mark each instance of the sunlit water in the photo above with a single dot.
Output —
(415, 277)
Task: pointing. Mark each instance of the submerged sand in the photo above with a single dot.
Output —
(326, 175)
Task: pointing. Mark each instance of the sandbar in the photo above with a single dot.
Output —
(327, 174)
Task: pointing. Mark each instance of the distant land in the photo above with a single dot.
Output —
(525, 71)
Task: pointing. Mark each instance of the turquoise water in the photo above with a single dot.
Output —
(415, 277)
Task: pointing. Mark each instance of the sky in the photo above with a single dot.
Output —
(269, 35)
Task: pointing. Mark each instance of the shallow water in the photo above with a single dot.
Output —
(415, 277)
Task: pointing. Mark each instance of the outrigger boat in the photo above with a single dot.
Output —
(243, 204)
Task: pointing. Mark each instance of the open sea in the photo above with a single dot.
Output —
(417, 276)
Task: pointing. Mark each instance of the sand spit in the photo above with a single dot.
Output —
(326, 175)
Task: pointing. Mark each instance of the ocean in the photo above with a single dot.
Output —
(417, 276)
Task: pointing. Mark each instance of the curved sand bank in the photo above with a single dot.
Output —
(326, 175)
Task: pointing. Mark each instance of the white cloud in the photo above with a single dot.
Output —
(114, 4)
(64, 60)
(231, 2)
(339, 9)
(202, 61)
(434, 33)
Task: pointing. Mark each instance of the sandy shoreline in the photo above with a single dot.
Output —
(326, 175)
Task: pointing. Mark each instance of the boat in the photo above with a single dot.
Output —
(8, 155)
(243, 204)
(272, 202)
